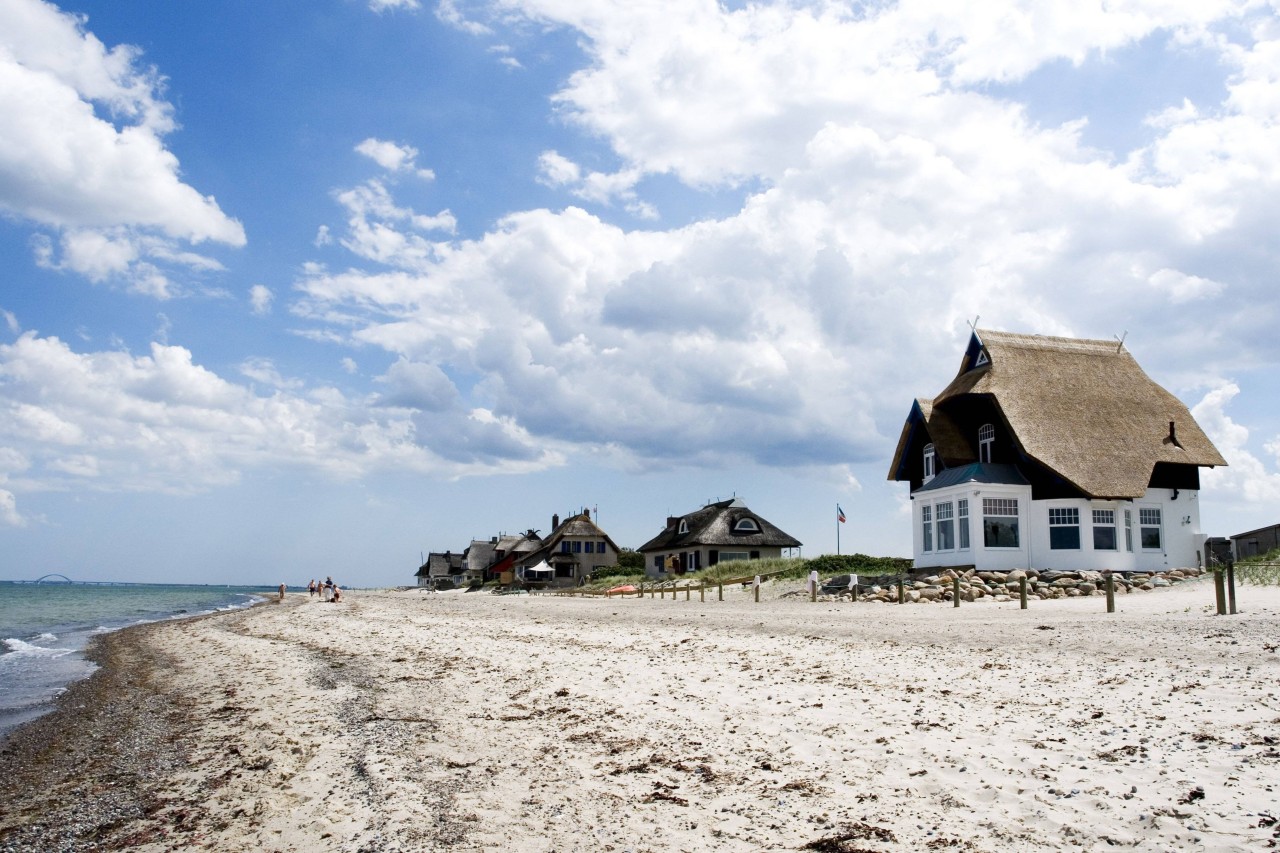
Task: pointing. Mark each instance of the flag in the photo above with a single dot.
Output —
(839, 514)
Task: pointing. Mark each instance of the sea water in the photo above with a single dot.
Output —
(44, 628)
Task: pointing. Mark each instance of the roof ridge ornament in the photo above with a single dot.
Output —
(1120, 345)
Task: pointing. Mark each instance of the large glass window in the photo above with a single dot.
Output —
(930, 462)
(962, 510)
(986, 441)
(1149, 528)
(1064, 528)
(946, 526)
(926, 526)
(1000, 522)
(1104, 530)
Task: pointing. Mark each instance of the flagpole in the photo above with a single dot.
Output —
(837, 530)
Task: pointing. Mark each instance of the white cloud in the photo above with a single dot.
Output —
(104, 183)
(260, 299)
(890, 193)
(393, 157)
(1246, 479)
(114, 421)
(389, 5)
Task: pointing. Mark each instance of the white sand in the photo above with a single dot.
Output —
(468, 721)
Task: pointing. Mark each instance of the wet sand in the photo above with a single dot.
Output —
(413, 721)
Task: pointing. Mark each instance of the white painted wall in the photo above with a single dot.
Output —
(1180, 536)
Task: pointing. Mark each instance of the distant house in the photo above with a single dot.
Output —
(1053, 453)
(1255, 542)
(574, 549)
(716, 533)
(441, 570)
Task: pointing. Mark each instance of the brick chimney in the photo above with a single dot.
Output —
(555, 520)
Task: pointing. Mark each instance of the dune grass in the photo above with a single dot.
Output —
(1263, 570)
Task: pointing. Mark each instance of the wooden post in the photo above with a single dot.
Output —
(1111, 593)
(902, 591)
(813, 592)
(688, 591)
(1231, 586)
(757, 589)
(702, 592)
(1220, 591)
(955, 592)
(720, 590)
(1022, 592)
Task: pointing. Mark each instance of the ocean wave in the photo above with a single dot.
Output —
(22, 647)
(47, 637)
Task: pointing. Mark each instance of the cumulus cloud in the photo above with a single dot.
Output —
(115, 421)
(260, 299)
(389, 5)
(889, 190)
(81, 153)
(1247, 479)
(393, 157)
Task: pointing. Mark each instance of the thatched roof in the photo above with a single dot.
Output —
(1083, 408)
(716, 525)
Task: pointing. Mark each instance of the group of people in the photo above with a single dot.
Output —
(327, 590)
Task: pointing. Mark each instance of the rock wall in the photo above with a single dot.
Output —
(1003, 586)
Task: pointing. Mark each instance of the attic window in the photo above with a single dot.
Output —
(746, 525)
(981, 359)
(684, 526)
(930, 462)
(986, 441)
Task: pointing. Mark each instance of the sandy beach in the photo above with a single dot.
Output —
(413, 721)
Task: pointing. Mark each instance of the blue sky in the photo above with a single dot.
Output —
(308, 288)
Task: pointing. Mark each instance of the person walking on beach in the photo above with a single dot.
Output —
(311, 588)
(282, 589)
(326, 590)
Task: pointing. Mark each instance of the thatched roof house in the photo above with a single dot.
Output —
(724, 530)
(1076, 431)
(573, 550)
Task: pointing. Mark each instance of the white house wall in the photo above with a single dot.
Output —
(1181, 541)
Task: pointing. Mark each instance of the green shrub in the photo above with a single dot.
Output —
(857, 564)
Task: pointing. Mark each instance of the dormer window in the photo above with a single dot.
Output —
(684, 527)
(746, 525)
(986, 441)
(930, 462)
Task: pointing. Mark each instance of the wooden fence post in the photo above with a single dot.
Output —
(1220, 591)
(688, 591)
(955, 592)
(1022, 592)
(702, 592)
(757, 587)
(720, 590)
(1111, 593)
(1231, 586)
(902, 591)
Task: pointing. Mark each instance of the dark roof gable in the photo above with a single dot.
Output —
(718, 524)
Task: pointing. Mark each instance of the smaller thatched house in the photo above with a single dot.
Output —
(716, 533)
(574, 549)
(1053, 453)
(441, 570)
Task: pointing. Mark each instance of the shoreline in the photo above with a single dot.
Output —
(405, 721)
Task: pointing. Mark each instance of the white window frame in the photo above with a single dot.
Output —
(1145, 524)
(986, 442)
(962, 524)
(1101, 522)
(746, 525)
(930, 462)
(1128, 530)
(944, 520)
(1064, 518)
(730, 556)
(1002, 505)
(683, 528)
(926, 528)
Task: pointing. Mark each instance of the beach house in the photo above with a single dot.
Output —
(1053, 453)
(573, 550)
(715, 533)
